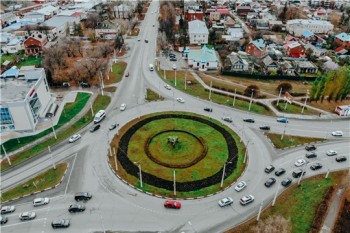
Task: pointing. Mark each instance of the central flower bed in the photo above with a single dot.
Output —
(185, 152)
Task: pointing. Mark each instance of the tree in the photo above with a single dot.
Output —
(274, 224)
(252, 89)
(90, 67)
(286, 87)
(282, 14)
(92, 20)
(276, 28)
(105, 49)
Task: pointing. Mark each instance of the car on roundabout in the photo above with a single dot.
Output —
(41, 201)
(27, 216)
(174, 67)
(286, 182)
(300, 162)
(341, 159)
(280, 171)
(337, 133)
(331, 153)
(282, 120)
(269, 169)
(246, 199)
(113, 126)
(227, 119)
(225, 201)
(249, 120)
(311, 155)
(3, 220)
(94, 128)
(240, 186)
(122, 107)
(7, 209)
(127, 74)
(76, 208)
(172, 204)
(167, 86)
(208, 109)
(316, 166)
(74, 138)
(270, 182)
(60, 223)
(310, 147)
(180, 100)
(264, 127)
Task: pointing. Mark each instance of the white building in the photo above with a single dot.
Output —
(14, 46)
(297, 26)
(198, 32)
(234, 34)
(25, 96)
(202, 59)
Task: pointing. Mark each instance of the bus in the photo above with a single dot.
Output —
(99, 116)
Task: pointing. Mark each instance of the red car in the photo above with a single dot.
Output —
(172, 204)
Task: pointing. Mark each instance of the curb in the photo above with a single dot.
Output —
(40, 191)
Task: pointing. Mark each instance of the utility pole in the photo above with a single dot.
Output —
(7, 157)
(279, 96)
(251, 99)
(223, 175)
(174, 183)
(234, 99)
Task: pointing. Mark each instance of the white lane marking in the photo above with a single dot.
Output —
(70, 173)
(24, 222)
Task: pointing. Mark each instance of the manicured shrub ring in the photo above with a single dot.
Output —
(171, 165)
(153, 180)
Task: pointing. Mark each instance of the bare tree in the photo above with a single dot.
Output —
(105, 49)
(90, 67)
(55, 58)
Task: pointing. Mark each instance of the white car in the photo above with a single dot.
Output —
(225, 201)
(74, 138)
(241, 185)
(299, 162)
(337, 133)
(7, 209)
(138, 39)
(246, 199)
(174, 67)
(41, 201)
(167, 87)
(181, 100)
(331, 153)
(27, 216)
(122, 107)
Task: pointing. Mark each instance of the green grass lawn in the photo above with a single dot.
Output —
(294, 109)
(110, 89)
(25, 60)
(153, 96)
(196, 89)
(101, 102)
(46, 179)
(117, 74)
(289, 140)
(70, 111)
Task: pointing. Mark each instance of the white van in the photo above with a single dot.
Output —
(151, 68)
(99, 116)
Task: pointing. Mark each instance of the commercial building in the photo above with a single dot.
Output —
(198, 32)
(296, 27)
(25, 96)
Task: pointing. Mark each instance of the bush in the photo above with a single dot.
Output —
(252, 89)
(286, 87)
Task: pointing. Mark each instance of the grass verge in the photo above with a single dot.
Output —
(69, 112)
(101, 102)
(298, 204)
(44, 180)
(294, 109)
(110, 89)
(117, 73)
(289, 140)
(153, 96)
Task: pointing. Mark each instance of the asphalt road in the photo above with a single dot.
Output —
(119, 207)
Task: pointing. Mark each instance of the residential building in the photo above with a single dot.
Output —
(25, 95)
(62, 23)
(269, 64)
(203, 59)
(234, 34)
(193, 15)
(295, 49)
(14, 46)
(214, 16)
(33, 17)
(305, 67)
(35, 43)
(330, 65)
(256, 48)
(198, 32)
(287, 68)
(122, 11)
(316, 51)
(28, 30)
(243, 10)
(7, 19)
(297, 26)
(237, 63)
(343, 39)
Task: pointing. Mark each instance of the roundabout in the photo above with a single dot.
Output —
(178, 155)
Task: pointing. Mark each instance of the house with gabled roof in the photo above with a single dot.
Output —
(256, 48)
(295, 49)
(269, 64)
(236, 63)
(343, 39)
(35, 43)
(203, 59)
(198, 32)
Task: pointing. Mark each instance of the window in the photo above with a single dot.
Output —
(35, 105)
(5, 116)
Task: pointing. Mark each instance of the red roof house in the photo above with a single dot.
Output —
(295, 49)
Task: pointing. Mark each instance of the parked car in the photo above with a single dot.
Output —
(299, 162)
(208, 109)
(282, 120)
(180, 100)
(172, 55)
(7, 209)
(122, 107)
(225, 201)
(249, 120)
(174, 67)
(264, 127)
(60, 223)
(41, 201)
(94, 128)
(172, 204)
(65, 84)
(3, 220)
(84, 84)
(310, 155)
(316, 166)
(310, 147)
(27, 216)
(337, 133)
(74, 138)
(280, 172)
(269, 169)
(270, 182)
(286, 182)
(340, 159)
(82, 196)
(246, 199)
(240, 186)
(173, 59)
(298, 173)
(76, 208)
(227, 119)
(167, 86)
(139, 39)
(331, 153)
(113, 126)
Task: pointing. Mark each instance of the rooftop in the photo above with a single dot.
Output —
(343, 36)
(197, 26)
(203, 55)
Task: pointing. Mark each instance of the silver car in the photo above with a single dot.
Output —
(225, 201)
(27, 216)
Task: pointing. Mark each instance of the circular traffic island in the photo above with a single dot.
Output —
(177, 155)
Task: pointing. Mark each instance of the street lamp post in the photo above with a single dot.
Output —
(251, 99)
(175, 78)
(101, 82)
(140, 172)
(307, 94)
